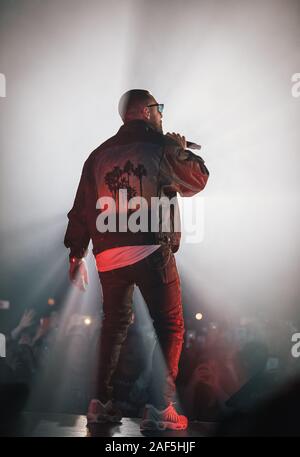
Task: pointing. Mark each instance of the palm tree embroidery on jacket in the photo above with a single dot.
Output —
(140, 171)
(120, 178)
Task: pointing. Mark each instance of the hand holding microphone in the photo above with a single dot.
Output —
(179, 139)
(182, 141)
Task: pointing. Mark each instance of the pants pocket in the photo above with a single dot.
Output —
(161, 264)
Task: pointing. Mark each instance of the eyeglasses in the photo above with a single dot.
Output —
(160, 107)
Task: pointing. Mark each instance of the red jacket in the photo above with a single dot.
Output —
(147, 164)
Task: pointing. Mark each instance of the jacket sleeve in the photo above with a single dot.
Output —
(182, 171)
(77, 236)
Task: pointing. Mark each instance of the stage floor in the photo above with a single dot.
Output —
(67, 425)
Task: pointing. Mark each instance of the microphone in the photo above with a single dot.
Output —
(192, 145)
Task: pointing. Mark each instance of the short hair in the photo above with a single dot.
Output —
(131, 101)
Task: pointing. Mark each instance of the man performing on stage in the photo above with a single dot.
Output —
(134, 239)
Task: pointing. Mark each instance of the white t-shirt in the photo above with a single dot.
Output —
(111, 259)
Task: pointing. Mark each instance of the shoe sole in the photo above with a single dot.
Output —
(152, 425)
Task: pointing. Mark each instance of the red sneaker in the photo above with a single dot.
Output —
(103, 413)
(167, 419)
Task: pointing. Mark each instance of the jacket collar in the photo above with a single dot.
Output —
(136, 125)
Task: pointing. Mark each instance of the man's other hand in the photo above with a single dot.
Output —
(178, 138)
(78, 273)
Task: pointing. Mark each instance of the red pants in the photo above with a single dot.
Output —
(158, 280)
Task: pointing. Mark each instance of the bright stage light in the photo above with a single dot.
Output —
(199, 316)
(87, 321)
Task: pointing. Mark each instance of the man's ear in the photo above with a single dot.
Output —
(146, 113)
